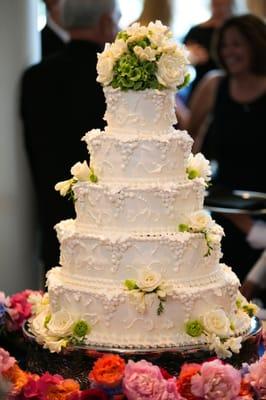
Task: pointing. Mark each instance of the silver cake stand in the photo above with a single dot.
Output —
(76, 361)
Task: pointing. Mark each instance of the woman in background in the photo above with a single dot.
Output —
(199, 38)
(235, 100)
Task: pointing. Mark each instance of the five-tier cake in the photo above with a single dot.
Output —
(140, 263)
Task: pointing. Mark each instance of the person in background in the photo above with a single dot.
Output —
(235, 101)
(156, 9)
(53, 36)
(60, 102)
(199, 38)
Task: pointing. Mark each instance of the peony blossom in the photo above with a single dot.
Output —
(144, 381)
(6, 361)
(19, 309)
(60, 324)
(199, 221)
(169, 71)
(216, 381)
(184, 380)
(257, 376)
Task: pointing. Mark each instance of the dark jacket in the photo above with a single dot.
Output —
(60, 102)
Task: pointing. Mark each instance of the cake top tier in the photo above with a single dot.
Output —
(143, 57)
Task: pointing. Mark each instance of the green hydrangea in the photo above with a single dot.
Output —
(81, 329)
(183, 228)
(194, 328)
(130, 73)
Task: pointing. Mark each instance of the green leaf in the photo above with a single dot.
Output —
(47, 319)
(185, 83)
(160, 308)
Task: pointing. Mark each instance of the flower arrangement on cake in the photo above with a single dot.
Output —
(114, 378)
(143, 57)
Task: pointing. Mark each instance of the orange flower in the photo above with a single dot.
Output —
(184, 380)
(108, 370)
(62, 390)
(17, 377)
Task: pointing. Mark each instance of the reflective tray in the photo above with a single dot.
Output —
(76, 361)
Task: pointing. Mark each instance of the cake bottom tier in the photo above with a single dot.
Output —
(116, 318)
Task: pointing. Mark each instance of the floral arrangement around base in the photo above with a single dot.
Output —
(113, 378)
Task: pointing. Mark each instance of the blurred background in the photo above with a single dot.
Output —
(21, 22)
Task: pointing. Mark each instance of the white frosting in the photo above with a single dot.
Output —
(143, 112)
(150, 209)
(127, 223)
(115, 321)
(130, 159)
(180, 256)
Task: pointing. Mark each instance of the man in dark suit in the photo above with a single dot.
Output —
(53, 36)
(60, 102)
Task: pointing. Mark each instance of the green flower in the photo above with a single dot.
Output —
(194, 328)
(81, 329)
(183, 228)
(93, 178)
(130, 284)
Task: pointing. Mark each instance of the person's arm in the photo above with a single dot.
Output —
(201, 104)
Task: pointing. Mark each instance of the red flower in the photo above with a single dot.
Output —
(165, 373)
(108, 370)
(184, 380)
(19, 309)
(90, 394)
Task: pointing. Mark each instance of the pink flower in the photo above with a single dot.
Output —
(6, 361)
(19, 309)
(257, 376)
(44, 383)
(144, 381)
(216, 381)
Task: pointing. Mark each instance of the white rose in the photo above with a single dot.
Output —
(149, 280)
(169, 73)
(200, 165)
(54, 345)
(81, 171)
(217, 322)
(60, 324)
(145, 54)
(158, 33)
(64, 186)
(200, 220)
(136, 32)
(105, 65)
(37, 325)
(118, 48)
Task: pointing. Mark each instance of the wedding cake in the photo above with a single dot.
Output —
(140, 263)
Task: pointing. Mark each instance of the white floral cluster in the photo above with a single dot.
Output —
(171, 60)
(54, 331)
(199, 167)
(201, 222)
(81, 172)
(148, 288)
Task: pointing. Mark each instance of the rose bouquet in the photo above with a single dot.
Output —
(143, 57)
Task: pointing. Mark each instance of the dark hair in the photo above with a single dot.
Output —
(253, 30)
